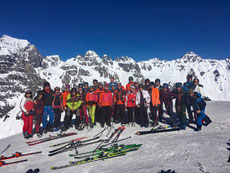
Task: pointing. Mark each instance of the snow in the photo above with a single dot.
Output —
(179, 151)
(10, 45)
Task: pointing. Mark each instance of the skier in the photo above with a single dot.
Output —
(155, 102)
(98, 108)
(27, 107)
(166, 96)
(84, 105)
(160, 107)
(73, 103)
(181, 105)
(95, 84)
(91, 100)
(198, 87)
(112, 82)
(113, 90)
(127, 88)
(119, 99)
(199, 108)
(189, 85)
(105, 102)
(131, 104)
(64, 96)
(147, 84)
(48, 110)
(38, 108)
(142, 102)
(57, 105)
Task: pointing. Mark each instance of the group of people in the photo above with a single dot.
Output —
(111, 102)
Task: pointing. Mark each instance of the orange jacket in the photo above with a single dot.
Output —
(155, 97)
(64, 96)
(127, 88)
(91, 98)
(106, 98)
(120, 97)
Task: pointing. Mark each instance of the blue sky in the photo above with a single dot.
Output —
(141, 29)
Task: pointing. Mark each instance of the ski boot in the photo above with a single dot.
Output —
(207, 121)
(198, 128)
(26, 135)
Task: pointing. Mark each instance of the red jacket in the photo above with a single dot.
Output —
(120, 97)
(127, 88)
(131, 99)
(106, 98)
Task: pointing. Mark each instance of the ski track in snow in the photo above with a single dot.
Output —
(183, 151)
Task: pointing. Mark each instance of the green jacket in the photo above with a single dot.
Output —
(73, 102)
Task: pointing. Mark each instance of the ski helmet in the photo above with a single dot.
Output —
(46, 84)
(95, 81)
(28, 92)
(189, 76)
(157, 80)
(74, 90)
(130, 78)
(165, 85)
(57, 88)
(67, 85)
(80, 86)
(178, 84)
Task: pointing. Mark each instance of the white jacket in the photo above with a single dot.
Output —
(23, 102)
(145, 95)
(199, 89)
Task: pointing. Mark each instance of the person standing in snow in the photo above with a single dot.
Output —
(27, 107)
(181, 105)
(119, 108)
(73, 102)
(130, 105)
(64, 97)
(155, 102)
(98, 108)
(127, 88)
(57, 105)
(112, 82)
(38, 108)
(84, 105)
(147, 85)
(142, 102)
(48, 110)
(160, 106)
(91, 101)
(199, 108)
(189, 85)
(198, 87)
(95, 84)
(106, 102)
(166, 96)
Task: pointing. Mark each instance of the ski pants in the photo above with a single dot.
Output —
(84, 113)
(181, 114)
(143, 114)
(154, 110)
(68, 118)
(200, 117)
(48, 111)
(105, 115)
(131, 115)
(119, 112)
(38, 121)
(28, 123)
(169, 110)
(92, 110)
(57, 117)
(188, 106)
(160, 111)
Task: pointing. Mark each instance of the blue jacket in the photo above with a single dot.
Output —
(111, 84)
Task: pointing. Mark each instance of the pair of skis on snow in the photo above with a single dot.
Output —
(100, 154)
(159, 129)
(76, 144)
(16, 155)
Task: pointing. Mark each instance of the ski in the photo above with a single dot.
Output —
(91, 159)
(112, 150)
(8, 146)
(115, 141)
(50, 138)
(17, 154)
(111, 136)
(77, 139)
(2, 163)
(158, 130)
(119, 134)
(115, 146)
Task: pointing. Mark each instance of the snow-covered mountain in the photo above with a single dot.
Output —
(22, 66)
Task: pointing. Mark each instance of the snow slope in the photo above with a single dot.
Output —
(179, 151)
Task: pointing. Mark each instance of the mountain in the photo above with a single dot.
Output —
(22, 66)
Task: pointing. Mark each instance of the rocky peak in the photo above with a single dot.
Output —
(191, 57)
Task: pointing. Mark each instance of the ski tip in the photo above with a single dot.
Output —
(52, 168)
(138, 133)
